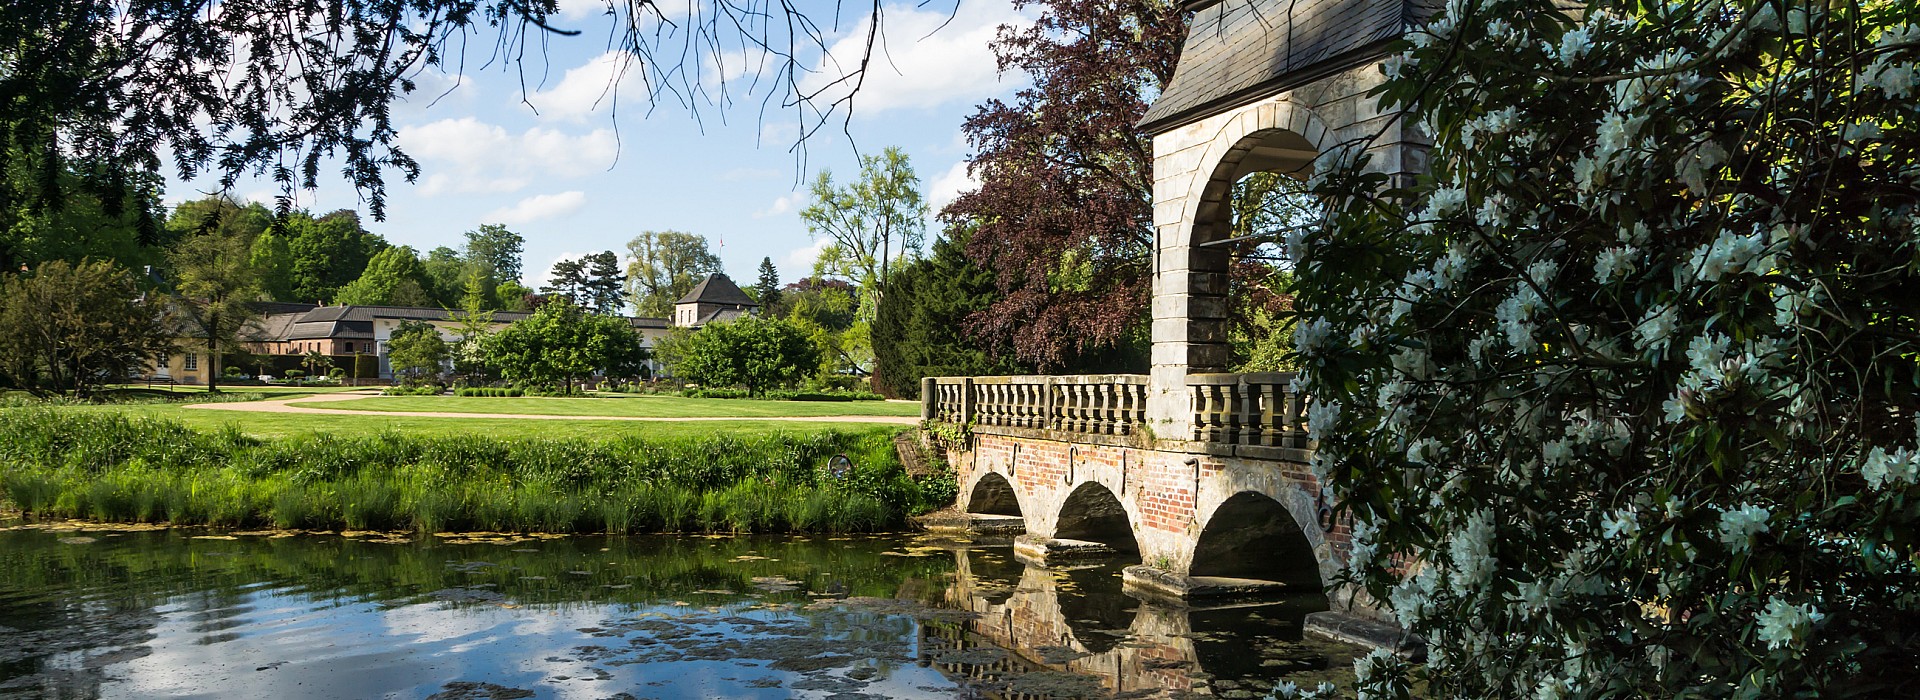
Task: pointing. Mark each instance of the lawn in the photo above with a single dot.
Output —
(635, 407)
(282, 424)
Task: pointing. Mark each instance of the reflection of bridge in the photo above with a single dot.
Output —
(1078, 621)
(1202, 474)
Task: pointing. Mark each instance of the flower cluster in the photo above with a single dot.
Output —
(1621, 395)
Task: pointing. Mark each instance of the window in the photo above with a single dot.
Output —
(349, 348)
(193, 361)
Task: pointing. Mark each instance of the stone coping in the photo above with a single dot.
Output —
(1142, 442)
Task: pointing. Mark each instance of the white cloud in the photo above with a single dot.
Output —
(539, 207)
(577, 9)
(949, 186)
(467, 155)
(798, 262)
(785, 203)
(593, 88)
(920, 63)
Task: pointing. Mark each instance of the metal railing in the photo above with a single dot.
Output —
(1258, 408)
(1096, 404)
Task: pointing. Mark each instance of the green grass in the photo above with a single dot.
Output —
(637, 407)
(121, 466)
(272, 425)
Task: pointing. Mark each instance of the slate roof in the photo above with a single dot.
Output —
(720, 315)
(1239, 51)
(718, 289)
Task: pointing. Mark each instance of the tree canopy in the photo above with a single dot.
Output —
(664, 266)
(870, 221)
(1064, 207)
(560, 344)
(918, 329)
(751, 352)
(69, 328)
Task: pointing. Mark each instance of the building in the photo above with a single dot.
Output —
(716, 298)
(348, 334)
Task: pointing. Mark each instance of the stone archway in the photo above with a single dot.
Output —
(1253, 536)
(993, 495)
(1091, 513)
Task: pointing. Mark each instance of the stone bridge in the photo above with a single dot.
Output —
(1199, 474)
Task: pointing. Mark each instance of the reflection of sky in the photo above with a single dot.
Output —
(278, 644)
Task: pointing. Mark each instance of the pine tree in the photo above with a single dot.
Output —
(767, 290)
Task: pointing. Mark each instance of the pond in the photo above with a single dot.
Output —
(101, 612)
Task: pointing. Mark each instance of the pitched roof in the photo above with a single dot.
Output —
(718, 289)
(1240, 51)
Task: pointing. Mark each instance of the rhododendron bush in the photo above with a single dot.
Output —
(1622, 394)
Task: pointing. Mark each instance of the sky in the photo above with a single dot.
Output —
(578, 168)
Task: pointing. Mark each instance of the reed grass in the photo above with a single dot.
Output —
(126, 468)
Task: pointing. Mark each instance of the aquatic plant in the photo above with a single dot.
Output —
(124, 468)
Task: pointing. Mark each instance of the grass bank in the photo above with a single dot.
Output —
(129, 468)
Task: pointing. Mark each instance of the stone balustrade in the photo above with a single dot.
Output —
(1093, 404)
(1258, 408)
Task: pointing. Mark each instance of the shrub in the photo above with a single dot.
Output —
(828, 395)
(490, 391)
(714, 393)
(415, 390)
(295, 373)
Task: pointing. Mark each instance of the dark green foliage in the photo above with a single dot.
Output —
(328, 253)
(917, 331)
(68, 328)
(767, 289)
(114, 467)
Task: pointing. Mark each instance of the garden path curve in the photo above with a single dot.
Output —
(296, 405)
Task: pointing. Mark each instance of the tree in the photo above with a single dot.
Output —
(568, 280)
(316, 363)
(213, 288)
(827, 311)
(497, 251)
(665, 266)
(286, 86)
(475, 328)
(68, 328)
(767, 289)
(417, 350)
(753, 352)
(395, 277)
(1064, 207)
(605, 289)
(917, 330)
(512, 296)
(54, 209)
(328, 252)
(273, 260)
(560, 344)
(869, 221)
(446, 272)
(1620, 396)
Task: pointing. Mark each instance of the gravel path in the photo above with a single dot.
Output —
(299, 405)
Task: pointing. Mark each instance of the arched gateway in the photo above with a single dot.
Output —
(1200, 474)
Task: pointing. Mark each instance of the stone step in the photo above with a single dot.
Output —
(1150, 582)
(1049, 551)
(974, 523)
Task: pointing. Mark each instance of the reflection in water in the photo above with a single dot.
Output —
(177, 613)
(1077, 621)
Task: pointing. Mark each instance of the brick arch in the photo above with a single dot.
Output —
(1300, 537)
(992, 494)
(1251, 535)
(1092, 512)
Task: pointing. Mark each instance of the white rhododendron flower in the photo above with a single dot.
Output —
(1783, 625)
(1739, 526)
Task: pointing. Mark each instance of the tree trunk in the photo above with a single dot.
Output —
(213, 355)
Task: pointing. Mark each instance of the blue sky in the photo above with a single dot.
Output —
(575, 179)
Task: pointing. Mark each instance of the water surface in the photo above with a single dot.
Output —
(103, 613)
